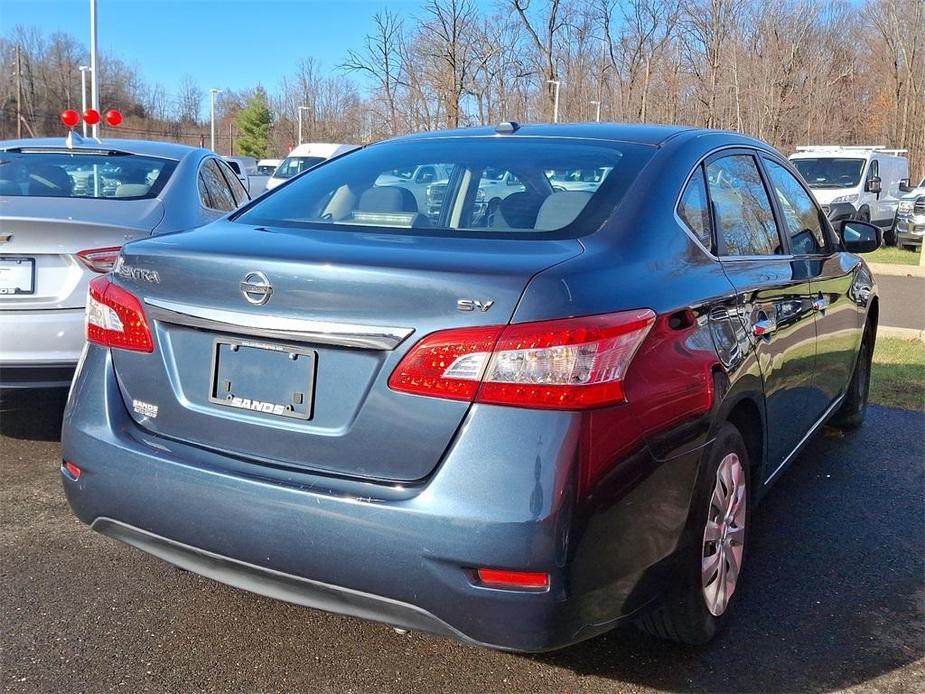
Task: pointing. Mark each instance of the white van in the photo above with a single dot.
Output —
(872, 179)
(305, 157)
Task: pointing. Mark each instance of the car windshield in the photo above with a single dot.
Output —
(452, 187)
(295, 165)
(265, 169)
(82, 175)
(830, 172)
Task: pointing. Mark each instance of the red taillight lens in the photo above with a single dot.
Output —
(447, 364)
(569, 364)
(72, 470)
(115, 318)
(100, 259)
(517, 580)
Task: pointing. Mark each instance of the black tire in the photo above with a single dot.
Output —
(889, 237)
(851, 413)
(864, 214)
(686, 618)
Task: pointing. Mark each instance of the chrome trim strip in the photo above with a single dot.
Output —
(815, 427)
(298, 329)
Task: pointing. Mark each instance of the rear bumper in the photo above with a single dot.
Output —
(275, 584)
(504, 496)
(48, 337)
(18, 376)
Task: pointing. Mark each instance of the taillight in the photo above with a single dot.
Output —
(99, 259)
(569, 364)
(115, 318)
(516, 580)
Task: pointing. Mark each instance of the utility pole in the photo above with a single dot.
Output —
(555, 106)
(83, 94)
(301, 108)
(598, 105)
(18, 91)
(94, 83)
(212, 93)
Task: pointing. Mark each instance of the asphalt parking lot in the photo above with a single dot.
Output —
(833, 598)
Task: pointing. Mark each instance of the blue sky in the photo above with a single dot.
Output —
(221, 43)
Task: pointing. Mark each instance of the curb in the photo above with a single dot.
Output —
(901, 333)
(897, 270)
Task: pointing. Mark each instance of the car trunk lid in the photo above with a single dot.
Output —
(317, 354)
(40, 237)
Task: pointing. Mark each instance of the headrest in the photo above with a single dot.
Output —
(518, 211)
(560, 209)
(132, 190)
(387, 199)
(49, 180)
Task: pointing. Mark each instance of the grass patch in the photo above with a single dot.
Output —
(893, 255)
(898, 374)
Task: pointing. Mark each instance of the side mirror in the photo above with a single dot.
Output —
(905, 186)
(860, 237)
(873, 184)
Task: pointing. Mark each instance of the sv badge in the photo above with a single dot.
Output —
(473, 304)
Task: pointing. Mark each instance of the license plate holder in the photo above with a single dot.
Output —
(271, 379)
(17, 275)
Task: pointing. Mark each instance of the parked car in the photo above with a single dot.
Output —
(246, 170)
(304, 157)
(518, 430)
(869, 179)
(266, 167)
(64, 213)
(909, 225)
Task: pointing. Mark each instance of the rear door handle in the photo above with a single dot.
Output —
(764, 327)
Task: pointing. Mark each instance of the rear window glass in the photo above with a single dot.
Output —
(296, 165)
(461, 186)
(82, 175)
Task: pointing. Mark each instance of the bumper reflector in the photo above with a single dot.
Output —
(517, 580)
(72, 470)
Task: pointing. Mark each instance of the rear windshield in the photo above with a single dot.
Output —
(830, 172)
(461, 186)
(296, 165)
(83, 175)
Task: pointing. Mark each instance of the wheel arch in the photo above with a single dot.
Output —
(746, 416)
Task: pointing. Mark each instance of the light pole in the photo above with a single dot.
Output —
(598, 105)
(301, 108)
(83, 94)
(212, 93)
(555, 106)
(94, 86)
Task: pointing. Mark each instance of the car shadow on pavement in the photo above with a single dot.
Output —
(833, 592)
(32, 414)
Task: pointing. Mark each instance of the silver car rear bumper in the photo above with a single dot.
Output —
(42, 337)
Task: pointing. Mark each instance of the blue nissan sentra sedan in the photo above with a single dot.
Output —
(542, 404)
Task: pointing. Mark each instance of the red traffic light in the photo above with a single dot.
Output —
(91, 116)
(70, 117)
(113, 118)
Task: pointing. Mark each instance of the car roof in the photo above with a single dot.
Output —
(153, 148)
(620, 132)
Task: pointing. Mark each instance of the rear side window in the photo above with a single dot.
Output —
(694, 209)
(75, 174)
(237, 188)
(741, 208)
(461, 186)
(219, 194)
(802, 217)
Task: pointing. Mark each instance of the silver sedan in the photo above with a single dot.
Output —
(66, 208)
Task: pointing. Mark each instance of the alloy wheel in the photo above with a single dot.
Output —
(724, 535)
